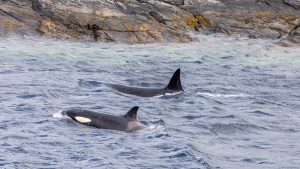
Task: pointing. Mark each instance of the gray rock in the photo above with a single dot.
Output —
(157, 17)
(265, 33)
(293, 3)
(147, 21)
(297, 31)
(174, 2)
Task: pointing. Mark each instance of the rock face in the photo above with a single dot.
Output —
(254, 18)
(147, 21)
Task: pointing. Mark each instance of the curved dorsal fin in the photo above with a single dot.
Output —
(131, 114)
(175, 83)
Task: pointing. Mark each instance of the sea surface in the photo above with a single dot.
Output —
(240, 107)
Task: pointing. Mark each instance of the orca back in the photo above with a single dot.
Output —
(174, 86)
(142, 92)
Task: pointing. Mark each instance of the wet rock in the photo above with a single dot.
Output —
(297, 31)
(148, 21)
(264, 33)
(255, 19)
(293, 3)
(174, 2)
(157, 17)
(123, 20)
(17, 17)
(290, 40)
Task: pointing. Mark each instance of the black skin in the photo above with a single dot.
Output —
(143, 92)
(106, 121)
(173, 87)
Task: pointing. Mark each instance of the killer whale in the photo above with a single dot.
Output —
(127, 122)
(173, 87)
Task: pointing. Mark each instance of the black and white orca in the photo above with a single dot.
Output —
(127, 122)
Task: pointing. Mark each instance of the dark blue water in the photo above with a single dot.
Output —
(240, 108)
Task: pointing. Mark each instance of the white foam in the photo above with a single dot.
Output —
(169, 94)
(172, 94)
(59, 115)
(159, 95)
(155, 127)
(222, 95)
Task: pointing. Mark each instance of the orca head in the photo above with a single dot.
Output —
(175, 83)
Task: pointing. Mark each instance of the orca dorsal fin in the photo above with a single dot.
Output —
(131, 114)
(175, 83)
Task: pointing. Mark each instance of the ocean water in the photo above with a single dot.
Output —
(240, 107)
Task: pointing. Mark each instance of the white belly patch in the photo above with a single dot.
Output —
(82, 119)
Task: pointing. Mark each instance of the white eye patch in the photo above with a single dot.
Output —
(82, 119)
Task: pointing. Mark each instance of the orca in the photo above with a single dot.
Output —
(174, 87)
(128, 122)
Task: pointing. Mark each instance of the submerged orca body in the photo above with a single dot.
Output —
(128, 122)
(173, 87)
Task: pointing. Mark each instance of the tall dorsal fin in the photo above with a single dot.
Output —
(131, 114)
(175, 83)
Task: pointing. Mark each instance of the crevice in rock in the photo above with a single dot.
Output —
(152, 36)
(294, 29)
(157, 17)
(291, 5)
(13, 2)
(265, 2)
(36, 5)
(108, 38)
(240, 27)
(11, 15)
(268, 4)
(98, 31)
(222, 28)
(94, 28)
(174, 2)
(137, 37)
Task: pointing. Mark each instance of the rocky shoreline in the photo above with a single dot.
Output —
(149, 21)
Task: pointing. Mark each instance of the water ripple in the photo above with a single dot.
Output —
(233, 128)
(239, 108)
